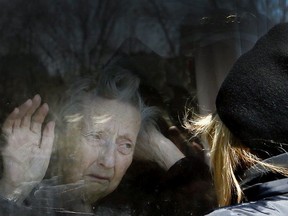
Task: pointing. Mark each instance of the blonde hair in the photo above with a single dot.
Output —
(227, 154)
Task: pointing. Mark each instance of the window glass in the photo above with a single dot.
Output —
(180, 50)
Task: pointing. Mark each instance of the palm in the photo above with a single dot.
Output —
(27, 152)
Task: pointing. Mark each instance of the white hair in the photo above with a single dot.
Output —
(114, 83)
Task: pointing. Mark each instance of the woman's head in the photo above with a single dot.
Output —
(99, 129)
(252, 101)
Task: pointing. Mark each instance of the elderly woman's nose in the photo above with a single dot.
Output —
(107, 155)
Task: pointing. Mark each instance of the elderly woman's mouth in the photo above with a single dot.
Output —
(98, 178)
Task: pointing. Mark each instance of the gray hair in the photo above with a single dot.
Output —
(114, 83)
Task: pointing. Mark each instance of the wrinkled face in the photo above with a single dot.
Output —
(104, 150)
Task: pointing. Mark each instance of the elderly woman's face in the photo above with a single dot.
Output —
(105, 148)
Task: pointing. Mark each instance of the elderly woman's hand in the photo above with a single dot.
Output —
(27, 149)
(154, 146)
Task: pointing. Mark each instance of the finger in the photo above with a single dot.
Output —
(22, 112)
(174, 134)
(46, 144)
(36, 101)
(47, 139)
(197, 149)
(7, 126)
(38, 118)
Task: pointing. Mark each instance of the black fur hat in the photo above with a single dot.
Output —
(253, 99)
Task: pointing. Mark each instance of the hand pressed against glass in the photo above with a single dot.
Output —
(105, 148)
(27, 150)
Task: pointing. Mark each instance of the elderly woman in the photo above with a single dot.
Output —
(97, 130)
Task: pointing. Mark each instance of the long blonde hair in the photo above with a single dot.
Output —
(227, 154)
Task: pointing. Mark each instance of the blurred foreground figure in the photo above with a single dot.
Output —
(248, 136)
(97, 128)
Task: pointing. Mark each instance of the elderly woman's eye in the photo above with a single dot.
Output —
(125, 148)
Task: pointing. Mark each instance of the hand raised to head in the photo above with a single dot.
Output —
(154, 146)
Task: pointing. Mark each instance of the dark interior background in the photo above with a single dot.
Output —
(181, 49)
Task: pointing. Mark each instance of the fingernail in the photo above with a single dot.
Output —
(37, 97)
(16, 110)
(46, 106)
(28, 102)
